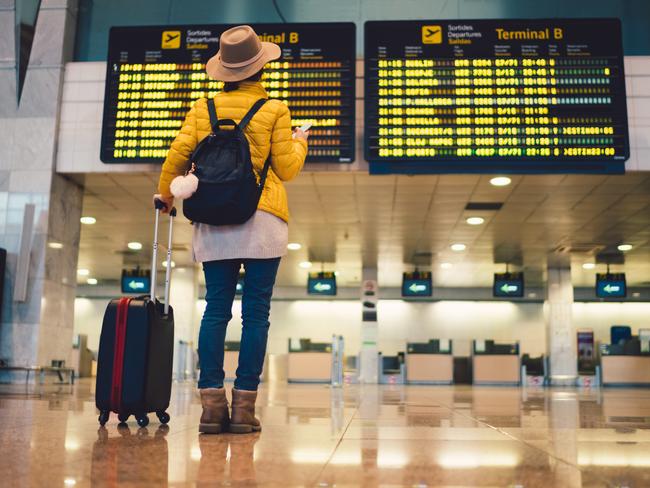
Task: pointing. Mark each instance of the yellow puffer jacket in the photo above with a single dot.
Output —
(268, 131)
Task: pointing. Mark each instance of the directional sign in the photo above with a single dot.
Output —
(508, 285)
(417, 284)
(321, 283)
(611, 285)
(136, 281)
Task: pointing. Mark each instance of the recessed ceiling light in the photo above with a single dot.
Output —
(588, 266)
(91, 281)
(500, 181)
(69, 482)
(458, 247)
(446, 265)
(88, 220)
(305, 264)
(135, 246)
(293, 246)
(83, 272)
(164, 264)
(625, 247)
(55, 245)
(475, 220)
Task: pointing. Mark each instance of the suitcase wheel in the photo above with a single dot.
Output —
(103, 417)
(143, 420)
(163, 417)
(123, 417)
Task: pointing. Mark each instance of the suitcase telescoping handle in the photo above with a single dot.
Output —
(159, 205)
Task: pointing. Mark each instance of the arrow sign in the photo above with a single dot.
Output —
(136, 285)
(611, 288)
(506, 288)
(322, 286)
(415, 288)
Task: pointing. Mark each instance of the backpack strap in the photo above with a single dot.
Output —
(265, 171)
(242, 125)
(249, 115)
(212, 110)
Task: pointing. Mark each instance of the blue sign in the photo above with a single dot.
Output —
(611, 285)
(136, 284)
(508, 285)
(417, 284)
(323, 283)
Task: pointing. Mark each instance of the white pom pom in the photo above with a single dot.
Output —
(183, 187)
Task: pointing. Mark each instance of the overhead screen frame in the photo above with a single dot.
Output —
(538, 165)
(608, 278)
(413, 278)
(338, 29)
(505, 278)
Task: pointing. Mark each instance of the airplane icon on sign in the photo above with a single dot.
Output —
(171, 39)
(431, 34)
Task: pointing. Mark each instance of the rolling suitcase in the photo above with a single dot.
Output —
(136, 348)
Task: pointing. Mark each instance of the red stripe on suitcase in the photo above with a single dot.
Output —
(118, 353)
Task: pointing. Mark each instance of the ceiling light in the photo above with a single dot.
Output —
(293, 246)
(458, 247)
(88, 220)
(475, 220)
(625, 247)
(55, 245)
(91, 281)
(305, 264)
(164, 264)
(135, 246)
(69, 482)
(83, 272)
(445, 265)
(500, 181)
(588, 266)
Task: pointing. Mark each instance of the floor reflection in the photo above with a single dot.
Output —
(355, 436)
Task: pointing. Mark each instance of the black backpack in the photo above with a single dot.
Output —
(228, 191)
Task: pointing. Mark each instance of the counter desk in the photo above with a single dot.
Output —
(430, 363)
(625, 364)
(626, 370)
(496, 364)
(309, 362)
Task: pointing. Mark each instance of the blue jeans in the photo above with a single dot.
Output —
(221, 283)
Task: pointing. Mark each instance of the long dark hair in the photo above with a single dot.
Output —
(233, 85)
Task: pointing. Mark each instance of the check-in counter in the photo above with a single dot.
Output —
(430, 363)
(309, 362)
(625, 364)
(495, 364)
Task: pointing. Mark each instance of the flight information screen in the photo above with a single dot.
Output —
(154, 74)
(515, 96)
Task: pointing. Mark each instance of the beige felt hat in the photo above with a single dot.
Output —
(241, 54)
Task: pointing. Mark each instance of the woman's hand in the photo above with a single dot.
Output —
(300, 134)
(168, 201)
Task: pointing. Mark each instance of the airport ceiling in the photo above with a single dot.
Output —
(346, 220)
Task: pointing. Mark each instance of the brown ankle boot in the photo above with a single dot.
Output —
(214, 418)
(243, 418)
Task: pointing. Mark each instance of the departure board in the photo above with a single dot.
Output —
(516, 96)
(154, 75)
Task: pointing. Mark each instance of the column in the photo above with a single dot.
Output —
(368, 361)
(38, 329)
(560, 331)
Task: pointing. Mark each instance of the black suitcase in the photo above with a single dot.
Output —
(136, 348)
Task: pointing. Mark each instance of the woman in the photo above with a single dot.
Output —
(257, 244)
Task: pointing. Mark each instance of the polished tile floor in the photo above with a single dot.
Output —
(356, 436)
